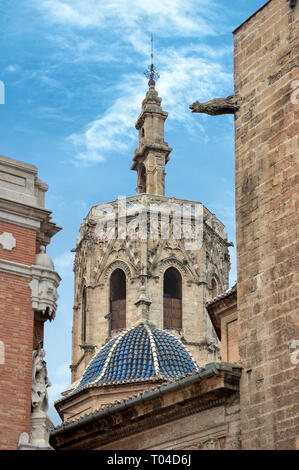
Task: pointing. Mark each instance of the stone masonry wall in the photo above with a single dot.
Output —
(212, 429)
(267, 129)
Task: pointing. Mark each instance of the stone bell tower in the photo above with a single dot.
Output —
(148, 258)
(153, 152)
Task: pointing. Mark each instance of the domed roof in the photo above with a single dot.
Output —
(143, 353)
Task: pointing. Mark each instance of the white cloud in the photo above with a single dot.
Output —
(188, 72)
(185, 77)
(11, 68)
(115, 129)
(168, 15)
(73, 48)
(52, 114)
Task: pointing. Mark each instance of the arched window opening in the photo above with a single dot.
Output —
(172, 299)
(141, 136)
(84, 311)
(214, 288)
(118, 300)
(142, 179)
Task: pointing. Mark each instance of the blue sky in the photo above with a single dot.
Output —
(74, 81)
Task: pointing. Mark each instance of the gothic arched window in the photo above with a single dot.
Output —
(84, 310)
(214, 288)
(142, 179)
(172, 299)
(118, 299)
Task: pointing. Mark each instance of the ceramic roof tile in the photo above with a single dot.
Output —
(140, 354)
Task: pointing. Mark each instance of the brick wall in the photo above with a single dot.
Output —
(16, 332)
(267, 129)
(25, 250)
(38, 333)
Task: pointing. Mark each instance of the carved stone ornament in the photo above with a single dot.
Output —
(8, 241)
(44, 284)
(217, 106)
(44, 294)
(40, 382)
(170, 262)
(118, 264)
(40, 423)
(209, 444)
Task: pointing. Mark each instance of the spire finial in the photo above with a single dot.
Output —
(151, 73)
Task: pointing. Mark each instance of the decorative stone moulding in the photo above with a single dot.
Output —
(8, 241)
(40, 430)
(44, 295)
(39, 434)
(44, 284)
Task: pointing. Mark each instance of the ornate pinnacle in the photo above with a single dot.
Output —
(151, 72)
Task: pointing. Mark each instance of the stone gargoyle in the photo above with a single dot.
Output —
(217, 106)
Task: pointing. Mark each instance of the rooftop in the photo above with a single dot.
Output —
(143, 353)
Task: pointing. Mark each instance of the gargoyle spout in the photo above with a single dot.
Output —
(217, 106)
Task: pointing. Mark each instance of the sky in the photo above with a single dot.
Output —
(74, 81)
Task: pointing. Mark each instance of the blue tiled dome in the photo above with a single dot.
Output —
(140, 354)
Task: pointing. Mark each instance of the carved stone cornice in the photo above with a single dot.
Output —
(44, 295)
(151, 409)
(35, 218)
(43, 284)
(159, 419)
(88, 348)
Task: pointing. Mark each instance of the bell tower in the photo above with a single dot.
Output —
(148, 258)
(152, 154)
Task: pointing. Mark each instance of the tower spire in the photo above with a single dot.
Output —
(151, 73)
(152, 154)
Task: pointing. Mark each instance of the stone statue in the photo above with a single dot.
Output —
(40, 422)
(217, 106)
(40, 381)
